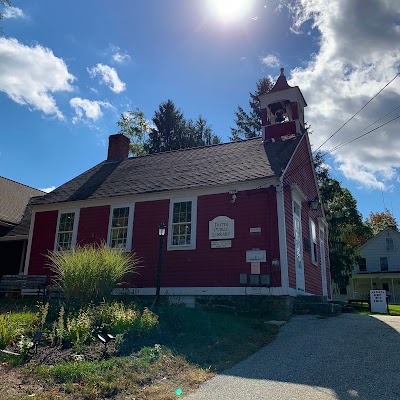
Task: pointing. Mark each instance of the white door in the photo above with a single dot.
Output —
(323, 263)
(298, 248)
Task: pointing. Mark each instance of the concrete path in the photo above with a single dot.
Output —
(347, 357)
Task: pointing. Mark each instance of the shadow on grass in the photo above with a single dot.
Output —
(207, 338)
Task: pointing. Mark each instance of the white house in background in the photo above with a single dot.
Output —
(379, 268)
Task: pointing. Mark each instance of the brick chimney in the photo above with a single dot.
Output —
(118, 147)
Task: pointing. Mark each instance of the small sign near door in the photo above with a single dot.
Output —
(255, 268)
(378, 301)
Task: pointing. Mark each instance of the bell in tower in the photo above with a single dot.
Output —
(282, 110)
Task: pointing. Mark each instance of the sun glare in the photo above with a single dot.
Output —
(229, 10)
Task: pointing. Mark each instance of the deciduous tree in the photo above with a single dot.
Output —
(134, 125)
(379, 221)
(346, 229)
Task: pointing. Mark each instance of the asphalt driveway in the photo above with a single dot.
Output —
(348, 357)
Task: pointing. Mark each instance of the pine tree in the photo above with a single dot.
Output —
(169, 131)
(248, 125)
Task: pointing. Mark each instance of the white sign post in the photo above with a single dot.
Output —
(221, 228)
(378, 301)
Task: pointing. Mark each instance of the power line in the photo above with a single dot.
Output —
(365, 105)
(311, 161)
(359, 137)
(373, 123)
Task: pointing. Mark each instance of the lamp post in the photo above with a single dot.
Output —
(161, 234)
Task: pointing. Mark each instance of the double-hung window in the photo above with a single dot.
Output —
(362, 264)
(389, 244)
(66, 230)
(182, 224)
(313, 234)
(384, 263)
(120, 227)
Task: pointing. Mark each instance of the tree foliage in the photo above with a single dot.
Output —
(248, 125)
(379, 221)
(346, 229)
(170, 130)
(134, 125)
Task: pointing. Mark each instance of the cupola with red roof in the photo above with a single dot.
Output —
(282, 110)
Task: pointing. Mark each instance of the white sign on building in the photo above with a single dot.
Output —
(221, 244)
(378, 301)
(221, 228)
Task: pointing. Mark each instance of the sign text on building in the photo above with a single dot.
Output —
(221, 228)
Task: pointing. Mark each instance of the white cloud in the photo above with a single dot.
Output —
(13, 12)
(108, 76)
(270, 60)
(121, 58)
(117, 55)
(358, 55)
(48, 190)
(30, 75)
(88, 108)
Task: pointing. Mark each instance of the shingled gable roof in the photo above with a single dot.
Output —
(14, 197)
(208, 166)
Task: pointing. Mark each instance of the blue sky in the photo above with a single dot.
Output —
(69, 69)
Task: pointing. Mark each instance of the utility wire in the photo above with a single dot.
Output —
(359, 137)
(362, 108)
(310, 162)
(373, 123)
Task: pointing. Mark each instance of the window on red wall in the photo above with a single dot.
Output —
(182, 224)
(313, 237)
(120, 227)
(66, 230)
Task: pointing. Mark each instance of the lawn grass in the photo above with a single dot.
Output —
(362, 307)
(189, 347)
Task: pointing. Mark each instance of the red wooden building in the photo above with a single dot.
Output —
(242, 218)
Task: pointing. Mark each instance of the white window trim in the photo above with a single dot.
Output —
(192, 245)
(75, 229)
(131, 207)
(314, 255)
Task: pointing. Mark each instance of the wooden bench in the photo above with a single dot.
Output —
(35, 284)
(12, 284)
(23, 284)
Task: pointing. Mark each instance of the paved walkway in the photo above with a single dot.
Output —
(347, 357)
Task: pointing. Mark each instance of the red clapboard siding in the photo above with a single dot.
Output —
(300, 171)
(184, 268)
(43, 238)
(205, 266)
(93, 225)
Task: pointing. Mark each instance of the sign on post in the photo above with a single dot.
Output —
(378, 301)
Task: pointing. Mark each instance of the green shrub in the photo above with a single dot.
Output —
(79, 328)
(90, 273)
(13, 325)
(148, 322)
(117, 317)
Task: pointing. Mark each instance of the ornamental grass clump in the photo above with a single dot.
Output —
(90, 273)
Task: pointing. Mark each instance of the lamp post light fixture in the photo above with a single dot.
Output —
(161, 234)
(314, 204)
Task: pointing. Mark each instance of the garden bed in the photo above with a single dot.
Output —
(154, 356)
